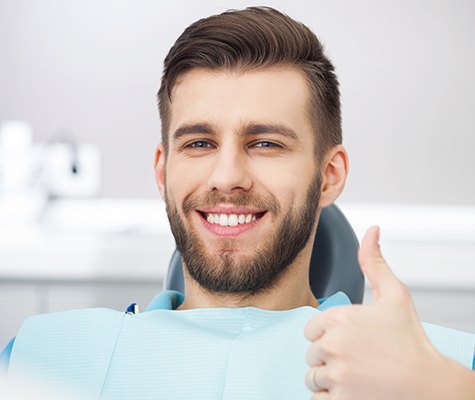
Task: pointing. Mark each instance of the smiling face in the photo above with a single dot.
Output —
(240, 178)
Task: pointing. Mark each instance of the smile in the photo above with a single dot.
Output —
(230, 222)
(231, 219)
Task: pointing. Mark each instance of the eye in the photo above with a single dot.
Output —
(266, 145)
(199, 144)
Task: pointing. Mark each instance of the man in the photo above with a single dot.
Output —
(251, 152)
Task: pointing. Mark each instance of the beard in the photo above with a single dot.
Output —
(225, 272)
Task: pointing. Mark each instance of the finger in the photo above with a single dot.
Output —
(316, 355)
(382, 280)
(317, 380)
(315, 327)
(311, 380)
(369, 251)
(321, 395)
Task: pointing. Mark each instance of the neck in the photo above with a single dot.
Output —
(291, 291)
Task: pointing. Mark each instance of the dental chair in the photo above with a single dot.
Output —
(333, 267)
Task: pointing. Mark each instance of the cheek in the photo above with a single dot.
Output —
(285, 178)
(183, 179)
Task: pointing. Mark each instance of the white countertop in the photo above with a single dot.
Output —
(129, 239)
(97, 239)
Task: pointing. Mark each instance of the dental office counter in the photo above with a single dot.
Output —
(112, 252)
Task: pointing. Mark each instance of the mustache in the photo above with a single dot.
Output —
(244, 199)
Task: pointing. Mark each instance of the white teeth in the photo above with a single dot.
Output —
(223, 220)
(233, 220)
(230, 219)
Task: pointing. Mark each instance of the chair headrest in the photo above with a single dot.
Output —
(334, 264)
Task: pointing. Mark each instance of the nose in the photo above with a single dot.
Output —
(229, 173)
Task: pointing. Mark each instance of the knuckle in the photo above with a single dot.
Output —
(314, 354)
(404, 295)
(378, 258)
(330, 347)
(308, 331)
(310, 356)
(337, 316)
(312, 327)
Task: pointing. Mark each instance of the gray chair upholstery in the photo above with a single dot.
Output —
(333, 267)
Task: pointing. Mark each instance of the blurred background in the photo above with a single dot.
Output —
(81, 221)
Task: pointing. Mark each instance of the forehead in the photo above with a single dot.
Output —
(227, 98)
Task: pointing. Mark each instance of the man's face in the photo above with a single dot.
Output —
(240, 178)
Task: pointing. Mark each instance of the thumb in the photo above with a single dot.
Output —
(384, 283)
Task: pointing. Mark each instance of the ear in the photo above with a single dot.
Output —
(334, 173)
(159, 167)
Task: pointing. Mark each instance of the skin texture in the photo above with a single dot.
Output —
(379, 351)
(220, 162)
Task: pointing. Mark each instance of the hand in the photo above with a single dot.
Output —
(376, 351)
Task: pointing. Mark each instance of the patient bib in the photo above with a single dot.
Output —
(218, 353)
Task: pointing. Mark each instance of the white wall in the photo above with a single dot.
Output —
(405, 67)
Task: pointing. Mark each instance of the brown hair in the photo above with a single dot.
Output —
(257, 37)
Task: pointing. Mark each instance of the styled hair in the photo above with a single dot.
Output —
(257, 37)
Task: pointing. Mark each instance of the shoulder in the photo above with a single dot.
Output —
(61, 338)
(83, 323)
(74, 317)
(49, 330)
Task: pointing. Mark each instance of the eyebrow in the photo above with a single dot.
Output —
(191, 129)
(256, 129)
(246, 130)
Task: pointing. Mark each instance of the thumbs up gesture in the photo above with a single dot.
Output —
(376, 351)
